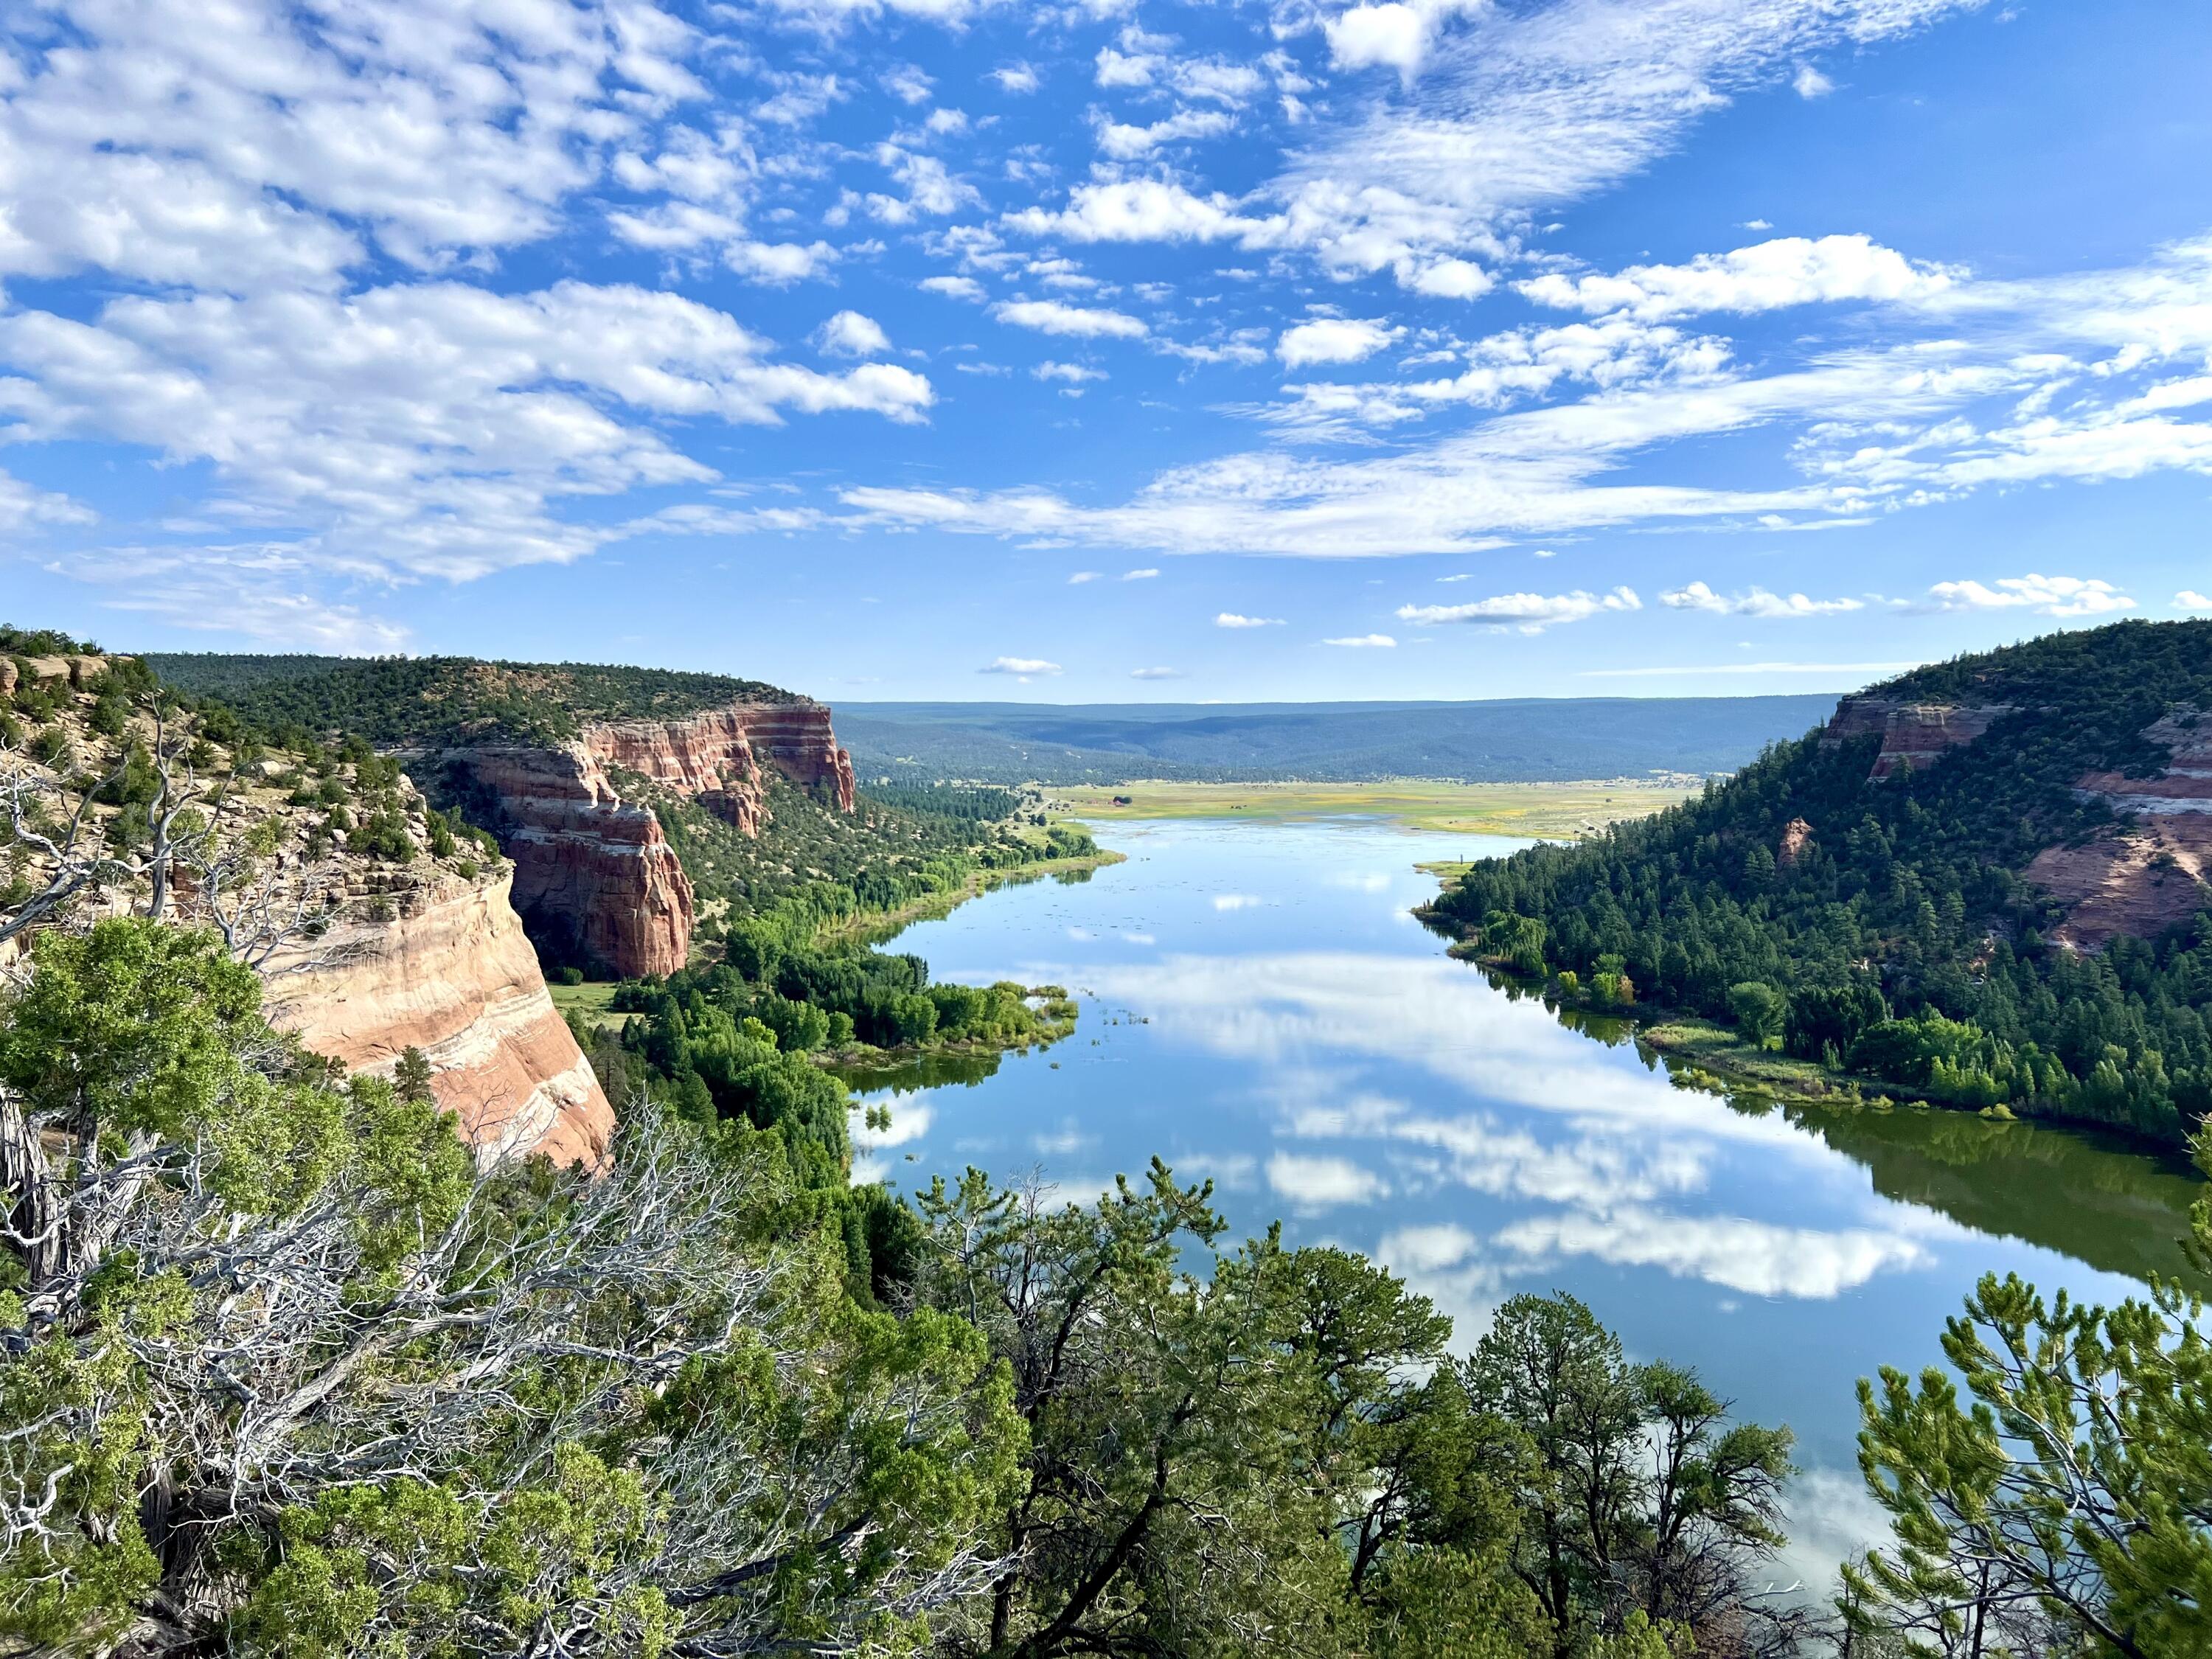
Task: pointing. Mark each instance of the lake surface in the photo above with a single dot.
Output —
(1260, 1008)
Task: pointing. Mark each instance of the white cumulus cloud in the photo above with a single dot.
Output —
(1022, 668)
(850, 334)
(1528, 613)
(1365, 642)
(1233, 619)
(1125, 142)
(1789, 271)
(1755, 602)
(954, 287)
(1333, 340)
(1077, 322)
(1147, 210)
(2050, 596)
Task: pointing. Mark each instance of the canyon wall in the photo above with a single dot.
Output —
(595, 876)
(454, 975)
(721, 751)
(1912, 733)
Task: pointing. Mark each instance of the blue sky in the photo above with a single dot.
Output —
(1110, 351)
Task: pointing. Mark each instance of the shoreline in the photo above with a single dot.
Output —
(1702, 1054)
(936, 906)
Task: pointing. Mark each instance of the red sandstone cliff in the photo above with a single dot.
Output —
(453, 975)
(596, 871)
(591, 869)
(721, 751)
(1912, 734)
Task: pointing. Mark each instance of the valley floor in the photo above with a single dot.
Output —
(1550, 810)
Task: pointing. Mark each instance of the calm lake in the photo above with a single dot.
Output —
(1260, 1008)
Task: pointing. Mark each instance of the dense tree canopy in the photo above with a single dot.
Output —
(285, 1372)
(1900, 940)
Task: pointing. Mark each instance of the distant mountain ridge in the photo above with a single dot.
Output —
(1507, 740)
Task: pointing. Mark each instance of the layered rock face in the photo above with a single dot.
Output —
(595, 872)
(720, 752)
(454, 975)
(1912, 733)
(2145, 878)
(420, 953)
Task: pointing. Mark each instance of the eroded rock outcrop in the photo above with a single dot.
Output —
(720, 752)
(595, 877)
(454, 975)
(1912, 733)
(1796, 836)
(2149, 875)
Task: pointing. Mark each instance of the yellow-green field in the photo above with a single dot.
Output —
(589, 999)
(1551, 810)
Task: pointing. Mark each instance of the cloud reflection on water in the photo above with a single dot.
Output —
(1554, 1124)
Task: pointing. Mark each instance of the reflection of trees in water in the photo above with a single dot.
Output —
(2101, 1198)
(2101, 1201)
(910, 1077)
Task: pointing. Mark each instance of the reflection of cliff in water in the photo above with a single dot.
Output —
(2113, 1205)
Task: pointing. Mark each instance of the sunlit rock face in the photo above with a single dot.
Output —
(595, 876)
(719, 753)
(424, 953)
(1912, 733)
(454, 975)
(2147, 877)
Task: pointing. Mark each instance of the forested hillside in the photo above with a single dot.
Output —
(1508, 740)
(437, 700)
(1897, 901)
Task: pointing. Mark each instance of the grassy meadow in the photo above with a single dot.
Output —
(1553, 811)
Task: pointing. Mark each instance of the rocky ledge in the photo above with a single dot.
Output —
(392, 952)
(1912, 733)
(2149, 874)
